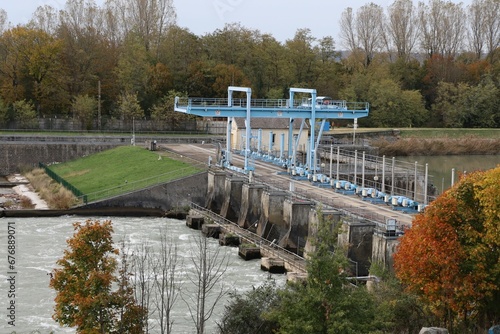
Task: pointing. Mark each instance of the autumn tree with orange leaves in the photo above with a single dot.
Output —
(84, 284)
(451, 255)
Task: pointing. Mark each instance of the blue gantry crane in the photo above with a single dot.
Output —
(290, 108)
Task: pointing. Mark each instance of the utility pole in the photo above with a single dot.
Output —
(99, 105)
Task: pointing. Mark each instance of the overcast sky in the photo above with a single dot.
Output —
(281, 18)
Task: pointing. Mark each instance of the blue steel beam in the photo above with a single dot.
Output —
(352, 110)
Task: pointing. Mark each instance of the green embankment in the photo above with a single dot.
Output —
(121, 170)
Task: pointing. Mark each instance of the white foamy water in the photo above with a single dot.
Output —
(40, 242)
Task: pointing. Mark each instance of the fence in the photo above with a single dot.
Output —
(64, 183)
(65, 123)
(271, 248)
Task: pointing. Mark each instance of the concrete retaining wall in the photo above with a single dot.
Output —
(216, 187)
(14, 157)
(19, 151)
(357, 238)
(168, 196)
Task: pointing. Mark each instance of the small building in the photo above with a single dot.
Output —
(267, 134)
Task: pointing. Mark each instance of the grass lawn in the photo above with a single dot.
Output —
(121, 170)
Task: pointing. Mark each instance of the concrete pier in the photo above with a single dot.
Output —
(194, 221)
(273, 265)
(216, 190)
(357, 239)
(250, 204)
(231, 208)
(249, 252)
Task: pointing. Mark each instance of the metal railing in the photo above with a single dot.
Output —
(266, 103)
(293, 260)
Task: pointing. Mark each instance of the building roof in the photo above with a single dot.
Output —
(269, 123)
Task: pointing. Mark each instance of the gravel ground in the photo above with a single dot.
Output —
(10, 197)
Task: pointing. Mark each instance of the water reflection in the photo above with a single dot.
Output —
(440, 166)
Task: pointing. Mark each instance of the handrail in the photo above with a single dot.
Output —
(266, 103)
(293, 259)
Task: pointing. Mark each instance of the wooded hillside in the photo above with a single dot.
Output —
(435, 64)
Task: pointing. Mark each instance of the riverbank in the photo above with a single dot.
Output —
(17, 193)
(468, 145)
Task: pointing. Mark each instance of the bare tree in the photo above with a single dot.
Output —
(148, 18)
(443, 27)
(3, 20)
(45, 18)
(492, 28)
(477, 27)
(143, 276)
(113, 22)
(82, 17)
(156, 284)
(165, 264)
(369, 20)
(431, 36)
(210, 266)
(348, 30)
(402, 28)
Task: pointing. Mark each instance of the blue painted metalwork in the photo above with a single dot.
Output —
(210, 107)
(324, 108)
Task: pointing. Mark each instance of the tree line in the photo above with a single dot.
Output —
(434, 64)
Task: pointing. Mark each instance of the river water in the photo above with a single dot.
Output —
(440, 166)
(40, 243)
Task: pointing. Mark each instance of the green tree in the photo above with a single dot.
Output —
(387, 99)
(245, 313)
(302, 57)
(445, 111)
(327, 302)
(129, 107)
(85, 108)
(88, 56)
(25, 114)
(178, 50)
(133, 67)
(4, 112)
(163, 112)
(84, 281)
(397, 310)
(450, 257)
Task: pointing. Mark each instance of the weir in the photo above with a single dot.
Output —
(287, 222)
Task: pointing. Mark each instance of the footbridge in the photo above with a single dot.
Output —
(306, 109)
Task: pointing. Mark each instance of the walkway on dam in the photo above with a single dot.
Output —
(267, 174)
(293, 262)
